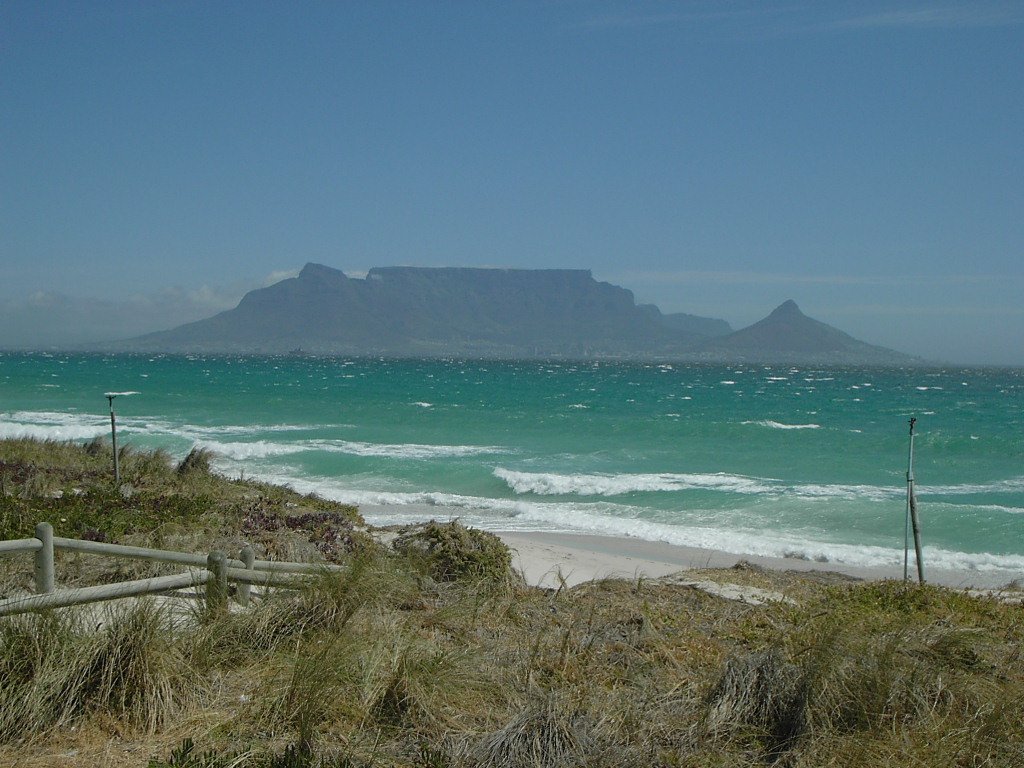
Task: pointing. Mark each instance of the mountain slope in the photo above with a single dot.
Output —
(787, 334)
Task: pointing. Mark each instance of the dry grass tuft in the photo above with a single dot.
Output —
(56, 669)
(547, 733)
(437, 656)
(199, 460)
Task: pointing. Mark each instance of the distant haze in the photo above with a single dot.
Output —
(53, 321)
(862, 158)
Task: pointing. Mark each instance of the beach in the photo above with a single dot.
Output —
(594, 462)
(548, 559)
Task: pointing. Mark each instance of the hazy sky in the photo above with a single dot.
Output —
(865, 159)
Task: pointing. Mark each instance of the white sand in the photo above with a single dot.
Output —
(546, 558)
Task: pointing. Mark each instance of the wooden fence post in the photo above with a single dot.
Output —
(44, 559)
(247, 556)
(217, 586)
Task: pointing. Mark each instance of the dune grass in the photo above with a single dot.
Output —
(433, 653)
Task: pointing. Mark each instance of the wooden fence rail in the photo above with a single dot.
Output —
(214, 570)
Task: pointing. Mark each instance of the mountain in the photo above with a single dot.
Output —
(699, 326)
(502, 313)
(788, 335)
(439, 312)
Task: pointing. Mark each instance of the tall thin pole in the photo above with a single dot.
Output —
(113, 440)
(912, 519)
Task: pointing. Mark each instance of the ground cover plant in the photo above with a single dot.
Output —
(428, 650)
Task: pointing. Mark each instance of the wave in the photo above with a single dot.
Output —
(850, 492)
(393, 507)
(780, 425)
(554, 484)
(262, 449)
(50, 425)
(404, 450)
(1010, 485)
(258, 449)
(548, 484)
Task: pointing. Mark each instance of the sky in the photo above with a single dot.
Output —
(865, 159)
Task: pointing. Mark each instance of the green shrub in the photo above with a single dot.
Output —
(451, 551)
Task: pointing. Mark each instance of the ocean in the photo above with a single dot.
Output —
(787, 461)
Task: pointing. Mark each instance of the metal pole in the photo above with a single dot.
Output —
(113, 441)
(912, 508)
(906, 520)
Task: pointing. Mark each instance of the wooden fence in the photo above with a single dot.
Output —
(214, 570)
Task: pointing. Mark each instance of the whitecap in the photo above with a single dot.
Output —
(779, 425)
(551, 484)
(258, 449)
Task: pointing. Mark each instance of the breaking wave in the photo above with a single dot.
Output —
(779, 425)
(545, 484)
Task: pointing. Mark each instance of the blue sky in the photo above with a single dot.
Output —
(865, 159)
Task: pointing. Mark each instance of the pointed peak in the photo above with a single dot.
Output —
(786, 309)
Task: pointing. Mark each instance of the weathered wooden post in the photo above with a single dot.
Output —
(217, 586)
(44, 572)
(247, 556)
(912, 520)
(113, 438)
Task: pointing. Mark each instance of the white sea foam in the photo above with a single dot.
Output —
(404, 450)
(248, 429)
(50, 425)
(51, 431)
(549, 484)
(779, 425)
(971, 508)
(1010, 485)
(258, 449)
(554, 484)
(261, 449)
(625, 521)
(850, 492)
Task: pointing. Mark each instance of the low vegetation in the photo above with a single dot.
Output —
(427, 650)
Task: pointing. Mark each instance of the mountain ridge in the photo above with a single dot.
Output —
(504, 313)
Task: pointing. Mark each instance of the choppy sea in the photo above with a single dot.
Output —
(803, 462)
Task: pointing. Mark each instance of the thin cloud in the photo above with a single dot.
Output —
(693, 277)
(968, 16)
(635, 20)
(278, 276)
(631, 21)
(812, 19)
(941, 311)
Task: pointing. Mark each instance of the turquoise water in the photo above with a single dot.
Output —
(798, 461)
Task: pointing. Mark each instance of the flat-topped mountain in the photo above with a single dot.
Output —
(787, 334)
(504, 313)
(441, 311)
